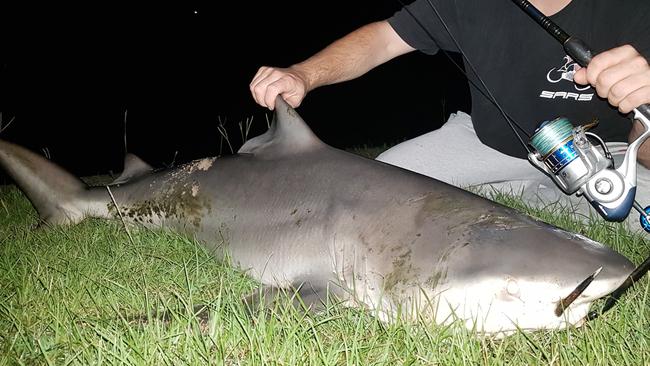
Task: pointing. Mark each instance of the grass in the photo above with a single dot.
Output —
(87, 295)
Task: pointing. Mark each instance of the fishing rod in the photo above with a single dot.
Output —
(567, 156)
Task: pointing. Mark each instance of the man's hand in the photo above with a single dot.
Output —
(621, 75)
(344, 59)
(269, 82)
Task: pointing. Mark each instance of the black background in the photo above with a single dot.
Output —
(69, 73)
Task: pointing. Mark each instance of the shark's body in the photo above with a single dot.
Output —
(296, 213)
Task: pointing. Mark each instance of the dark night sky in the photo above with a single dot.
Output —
(68, 74)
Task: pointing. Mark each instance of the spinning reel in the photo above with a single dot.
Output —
(568, 157)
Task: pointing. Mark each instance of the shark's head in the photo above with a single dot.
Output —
(503, 283)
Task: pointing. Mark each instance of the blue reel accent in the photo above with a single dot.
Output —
(619, 213)
(561, 157)
(644, 223)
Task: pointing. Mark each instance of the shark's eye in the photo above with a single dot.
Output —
(512, 287)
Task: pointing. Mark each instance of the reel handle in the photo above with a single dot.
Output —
(625, 179)
(628, 167)
(644, 215)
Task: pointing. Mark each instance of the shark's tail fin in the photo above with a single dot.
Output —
(58, 196)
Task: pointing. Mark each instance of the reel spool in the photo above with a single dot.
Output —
(554, 142)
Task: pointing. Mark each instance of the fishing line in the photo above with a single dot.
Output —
(485, 91)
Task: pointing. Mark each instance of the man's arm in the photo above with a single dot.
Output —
(346, 58)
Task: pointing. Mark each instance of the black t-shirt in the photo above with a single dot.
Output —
(523, 66)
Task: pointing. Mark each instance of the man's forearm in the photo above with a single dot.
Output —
(352, 56)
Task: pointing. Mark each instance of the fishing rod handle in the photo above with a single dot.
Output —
(578, 50)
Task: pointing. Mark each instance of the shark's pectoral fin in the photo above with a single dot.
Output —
(134, 167)
(288, 135)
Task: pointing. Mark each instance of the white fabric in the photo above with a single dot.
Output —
(454, 154)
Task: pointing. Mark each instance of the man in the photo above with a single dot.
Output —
(512, 58)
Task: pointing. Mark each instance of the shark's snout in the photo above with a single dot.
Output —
(530, 293)
(615, 270)
(598, 285)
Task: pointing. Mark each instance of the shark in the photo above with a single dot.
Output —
(297, 214)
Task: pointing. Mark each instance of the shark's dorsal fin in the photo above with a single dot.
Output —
(133, 167)
(288, 134)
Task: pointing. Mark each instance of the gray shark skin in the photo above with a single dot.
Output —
(295, 213)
